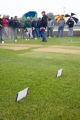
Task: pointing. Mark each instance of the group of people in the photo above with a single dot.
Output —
(61, 24)
(31, 28)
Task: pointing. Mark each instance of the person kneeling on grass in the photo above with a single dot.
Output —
(28, 25)
(27, 34)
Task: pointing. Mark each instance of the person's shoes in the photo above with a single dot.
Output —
(44, 40)
(15, 41)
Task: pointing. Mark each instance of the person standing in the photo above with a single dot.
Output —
(8, 28)
(38, 27)
(34, 28)
(61, 24)
(43, 26)
(50, 26)
(1, 26)
(16, 26)
(70, 24)
(5, 29)
(11, 26)
(22, 22)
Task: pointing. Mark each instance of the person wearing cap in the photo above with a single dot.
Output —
(1, 26)
(43, 26)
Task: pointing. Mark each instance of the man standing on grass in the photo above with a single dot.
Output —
(50, 26)
(16, 26)
(70, 24)
(8, 28)
(43, 26)
(61, 24)
(1, 26)
(34, 27)
(5, 28)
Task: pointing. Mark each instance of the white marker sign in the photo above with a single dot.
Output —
(22, 94)
(59, 73)
(2, 42)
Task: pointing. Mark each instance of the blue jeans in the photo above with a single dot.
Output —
(43, 33)
(34, 33)
(37, 32)
(0, 34)
(70, 33)
(50, 31)
(60, 29)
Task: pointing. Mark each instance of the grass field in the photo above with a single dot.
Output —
(49, 98)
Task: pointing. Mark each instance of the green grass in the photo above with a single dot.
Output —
(50, 98)
(70, 41)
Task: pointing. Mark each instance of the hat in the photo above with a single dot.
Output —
(28, 18)
(43, 12)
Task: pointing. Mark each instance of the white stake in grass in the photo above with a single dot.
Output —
(22, 94)
(59, 73)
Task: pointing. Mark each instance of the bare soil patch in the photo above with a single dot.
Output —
(17, 46)
(47, 48)
(60, 49)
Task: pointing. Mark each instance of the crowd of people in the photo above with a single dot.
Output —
(32, 28)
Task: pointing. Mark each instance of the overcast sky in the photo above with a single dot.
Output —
(19, 7)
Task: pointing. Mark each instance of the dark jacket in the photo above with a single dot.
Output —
(70, 23)
(28, 24)
(1, 23)
(44, 21)
(11, 23)
(16, 24)
(34, 24)
(38, 24)
(22, 24)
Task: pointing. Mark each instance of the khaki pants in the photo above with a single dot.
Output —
(30, 32)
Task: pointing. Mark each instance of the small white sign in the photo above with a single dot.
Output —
(22, 94)
(59, 73)
(2, 42)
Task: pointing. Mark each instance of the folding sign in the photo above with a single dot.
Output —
(59, 73)
(22, 94)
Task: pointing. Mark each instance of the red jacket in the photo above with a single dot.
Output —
(5, 22)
